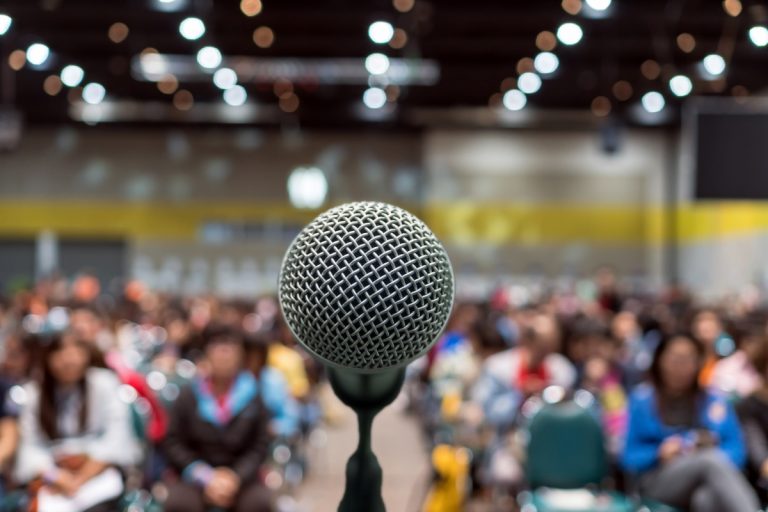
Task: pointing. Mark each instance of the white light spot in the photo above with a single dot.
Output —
(94, 93)
(225, 78)
(714, 64)
(235, 96)
(209, 57)
(529, 83)
(192, 28)
(307, 187)
(37, 54)
(680, 85)
(514, 100)
(569, 33)
(381, 32)
(653, 102)
(546, 63)
(375, 97)
(377, 63)
(72, 75)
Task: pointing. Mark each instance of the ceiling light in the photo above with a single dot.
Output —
(192, 28)
(235, 96)
(209, 57)
(714, 64)
(5, 23)
(514, 100)
(72, 75)
(758, 35)
(529, 83)
(569, 33)
(546, 63)
(37, 54)
(653, 102)
(225, 78)
(381, 32)
(375, 97)
(377, 63)
(599, 5)
(94, 93)
(680, 85)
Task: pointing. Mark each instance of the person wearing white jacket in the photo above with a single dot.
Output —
(75, 432)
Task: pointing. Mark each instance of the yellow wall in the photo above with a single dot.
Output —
(456, 222)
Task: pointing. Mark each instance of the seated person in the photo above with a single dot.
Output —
(75, 432)
(736, 375)
(753, 411)
(684, 443)
(218, 435)
(283, 408)
(535, 363)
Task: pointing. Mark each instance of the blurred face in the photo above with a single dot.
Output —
(707, 327)
(16, 360)
(679, 366)
(69, 363)
(546, 337)
(85, 324)
(624, 325)
(225, 358)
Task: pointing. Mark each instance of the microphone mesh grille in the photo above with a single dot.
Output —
(366, 286)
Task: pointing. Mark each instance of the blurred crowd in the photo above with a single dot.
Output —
(139, 401)
(678, 386)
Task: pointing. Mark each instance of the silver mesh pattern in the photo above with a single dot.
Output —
(366, 286)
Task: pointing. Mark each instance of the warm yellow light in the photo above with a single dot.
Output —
(601, 106)
(650, 69)
(17, 59)
(168, 84)
(546, 41)
(686, 42)
(264, 37)
(118, 32)
(251, 7)
(183, 100)
(622, 90)
(52, 85)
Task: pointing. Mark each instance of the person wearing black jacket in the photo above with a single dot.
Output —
(218, 437)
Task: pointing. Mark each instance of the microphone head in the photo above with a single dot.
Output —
(366, 286)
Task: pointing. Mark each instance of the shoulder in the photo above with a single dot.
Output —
(502, 365)
(643, 394)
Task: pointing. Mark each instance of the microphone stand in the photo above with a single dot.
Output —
(366, 394)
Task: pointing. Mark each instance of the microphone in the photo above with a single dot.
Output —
(366, 288)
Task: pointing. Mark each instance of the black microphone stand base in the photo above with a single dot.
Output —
(367, 394)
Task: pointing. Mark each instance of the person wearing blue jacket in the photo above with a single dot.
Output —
(683, 443)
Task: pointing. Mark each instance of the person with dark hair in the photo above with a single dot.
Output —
(684, 443)
(75, 431)
(217, 437)
(753, 412)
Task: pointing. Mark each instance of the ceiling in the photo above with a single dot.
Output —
(477, 45)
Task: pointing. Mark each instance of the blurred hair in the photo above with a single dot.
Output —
(486, 334)
(654, 371)
(48, 410)
(217, 331)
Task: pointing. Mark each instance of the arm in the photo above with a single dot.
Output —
(255, 451)
(34, 456)
(641, 451)
(181, 456)
(117, 445)
(9, 439)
